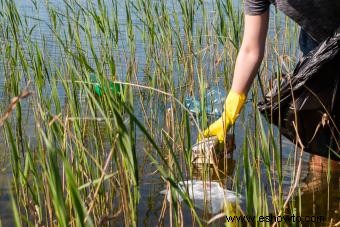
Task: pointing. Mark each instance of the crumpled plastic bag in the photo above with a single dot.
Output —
(306, 104)
(206, 195)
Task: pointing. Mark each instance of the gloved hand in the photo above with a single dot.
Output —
(232, 108)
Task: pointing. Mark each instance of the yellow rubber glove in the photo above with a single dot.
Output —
(232, 108)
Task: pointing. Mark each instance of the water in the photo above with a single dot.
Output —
(319, 197)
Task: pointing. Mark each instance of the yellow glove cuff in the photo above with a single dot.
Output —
(233, 106)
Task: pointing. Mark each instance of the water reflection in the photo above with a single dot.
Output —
(320, 189)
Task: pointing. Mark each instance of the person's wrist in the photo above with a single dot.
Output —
(237, 94)
(233, 105)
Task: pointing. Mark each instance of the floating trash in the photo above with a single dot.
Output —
(192, 104)
(206, 195)
(214, 101)
(209, 150)
(203, 151)
(99, 89)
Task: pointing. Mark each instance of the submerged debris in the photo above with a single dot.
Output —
(206, 195)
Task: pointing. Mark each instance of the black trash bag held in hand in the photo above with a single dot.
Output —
(307, 103)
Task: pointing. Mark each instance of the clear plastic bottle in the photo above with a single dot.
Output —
(193, 105)
(213, 104)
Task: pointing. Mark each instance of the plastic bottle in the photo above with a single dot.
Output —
(98, 88)
(213, 104)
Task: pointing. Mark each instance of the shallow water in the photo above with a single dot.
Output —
(319, 197)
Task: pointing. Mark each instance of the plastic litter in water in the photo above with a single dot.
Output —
(99, 89)
(213, 104)
(210, 151)
(192, 104)
(206, 195)
(202, 152)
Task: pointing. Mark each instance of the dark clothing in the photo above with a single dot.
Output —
(319, 18)
(306, 42)
(256, 7)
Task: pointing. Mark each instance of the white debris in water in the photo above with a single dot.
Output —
(202, 152)
(206, 194)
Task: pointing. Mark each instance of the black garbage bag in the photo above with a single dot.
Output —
(306, 104)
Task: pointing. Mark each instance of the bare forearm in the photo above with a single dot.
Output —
(247, 63)
(251, 53)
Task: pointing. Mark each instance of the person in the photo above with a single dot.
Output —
(318, 20)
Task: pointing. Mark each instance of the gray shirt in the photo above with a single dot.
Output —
(319, 18)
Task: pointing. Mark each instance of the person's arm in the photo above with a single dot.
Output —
(251, 52)
(248, 61)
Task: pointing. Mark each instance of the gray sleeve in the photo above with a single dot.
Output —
(255, 7)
